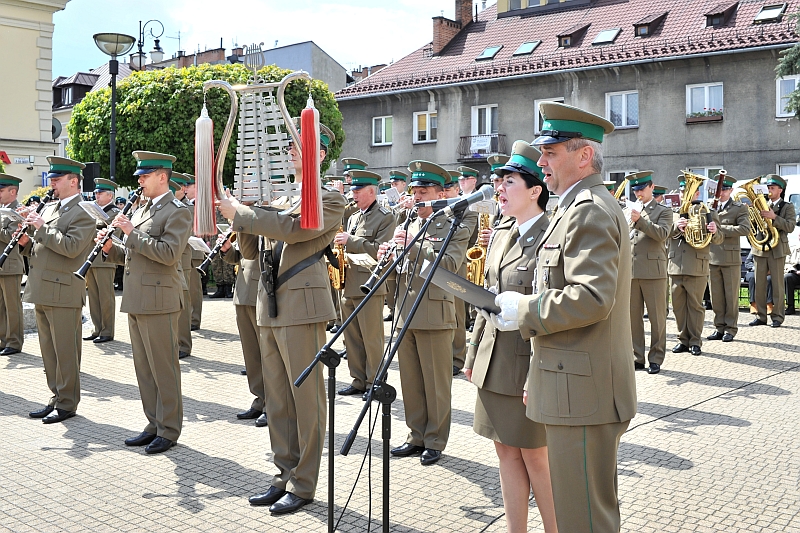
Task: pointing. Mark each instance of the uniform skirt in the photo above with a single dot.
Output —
(501, 418)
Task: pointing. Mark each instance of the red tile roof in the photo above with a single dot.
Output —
(682, 33)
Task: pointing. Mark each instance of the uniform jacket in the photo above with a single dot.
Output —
(437, 309)
(500, 359)
(306, 297)
(197, 255)
(58, 249)
(579, 316)
(734, 221)
(13, 265)
(246, 290)
(784, 222)
(648, 235)
(154, 282)
(367, 233)
(684, 260)
(112, 211)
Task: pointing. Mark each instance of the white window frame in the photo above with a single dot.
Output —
(382, 120)
(492, 109)
(779, 112)
(706, 86)
(624, 173)
(780, 172)
(624, 95)
(428, 139)
(537, 127)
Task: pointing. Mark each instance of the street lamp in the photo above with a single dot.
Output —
(139, 59)
(113, 44)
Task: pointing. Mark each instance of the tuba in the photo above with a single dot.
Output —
(763, 235)
(476, 256)
(337, 275)
(696, 233)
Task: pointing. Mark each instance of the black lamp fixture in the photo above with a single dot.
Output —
(139, 59)
(113, 44)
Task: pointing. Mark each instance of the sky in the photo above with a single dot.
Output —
(354, 32)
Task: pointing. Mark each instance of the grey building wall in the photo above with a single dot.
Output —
(311, 58)
(750, 141)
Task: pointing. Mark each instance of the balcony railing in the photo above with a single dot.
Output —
(481, 146)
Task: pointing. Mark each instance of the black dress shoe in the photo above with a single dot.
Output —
(250, 414)
(103, 338)
(776, 324)
(272, 495)
(715, 336)
(757, 322)
(288, 503)
(655, 368)
(638, 366)
(91, 337)
(680, 348)
(159, 445)
(8, 350)
(58, 415)
(334, 328)
(41, 413)
(407, 450)
(243, 372)
(389, 318)
(694, 350)
(328, 327)
(727, 337)
(141, 439)
(261, 421)
(456, 370)
(350, 391)
(429, 457)
(194, 328)
(183, 355)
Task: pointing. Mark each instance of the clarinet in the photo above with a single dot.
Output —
(376, 272)
(228, 236)
(18, 234)
(81, 272)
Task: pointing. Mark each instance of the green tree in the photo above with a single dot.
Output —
(157, 110)
(2, 168)
(789, 65)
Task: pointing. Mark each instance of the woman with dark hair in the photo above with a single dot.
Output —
(497, 361)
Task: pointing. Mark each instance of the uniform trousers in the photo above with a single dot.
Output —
(391, 289)
(102, 306)
(774, 266)
(60, 341)
(426, 377)
(687, 304)
(196, 295)
(583, 472)
(11, 323)
(154, 340)
(185, 326)
(296, 415)
(650, 292)
(725, 281)
(363, 339)
(248, 335)
(460, 334)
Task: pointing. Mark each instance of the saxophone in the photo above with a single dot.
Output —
(696, 233)
(337, 274)
(476, 256)
(763, 235)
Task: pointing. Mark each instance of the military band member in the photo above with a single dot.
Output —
(658, 193)
(581, 383)
(650, 228)
(295, 268)
(153, 296)
(178, 189)
(611, 186)
(224, 275)
(100, 278)
(426, 352)
(11, 318)
(782, 214)
(58, 242)
(365, 231)
(401, 210)
(195, 280)
(726, 263)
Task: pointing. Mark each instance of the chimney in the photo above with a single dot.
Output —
(464, 12)
(445, 29)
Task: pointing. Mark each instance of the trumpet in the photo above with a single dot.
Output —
(98, 247)
(228, 236)
(375, 275)
(18, 234)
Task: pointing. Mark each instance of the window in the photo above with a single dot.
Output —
(565, 42)
(381, 131)
(67, 95)
(771, 13)
(643, 30)
(488, 53)
(617, 176)
(715, 20)
(539, 115)
(606, 36)
(706, 172)
(704, 100)
(425, 126)
(783, 88)
(622, 109)
(527, 48)
(514, 4)
(789, 170)
(484, 120)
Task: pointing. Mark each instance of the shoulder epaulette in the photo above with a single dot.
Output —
(584, 196)
(384, 210)
(178, 203)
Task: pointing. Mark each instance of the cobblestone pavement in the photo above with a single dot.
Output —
(713, 448)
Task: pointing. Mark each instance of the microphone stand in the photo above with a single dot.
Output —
(381, 391)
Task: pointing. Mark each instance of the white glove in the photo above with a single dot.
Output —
(508, 302)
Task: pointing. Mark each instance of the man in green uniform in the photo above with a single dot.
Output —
(178, 189)
(58, 242)
(11, 322)
(153, 296)
(194, 278)
(401, 209)
(366, 230)
(100, 278)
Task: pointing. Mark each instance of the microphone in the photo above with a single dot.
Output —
(458, 205)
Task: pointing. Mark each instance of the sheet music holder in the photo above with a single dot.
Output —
(95, 211)
(462, 288)
(10, 213)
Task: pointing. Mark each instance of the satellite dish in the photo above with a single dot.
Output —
(56, 128)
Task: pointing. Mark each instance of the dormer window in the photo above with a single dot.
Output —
(488, 53)
(572, 36)
(771, 13)
(648, 25)
(720, 14)
(565, 42)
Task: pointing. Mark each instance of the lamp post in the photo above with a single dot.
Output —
(138, 59)
(113, 44)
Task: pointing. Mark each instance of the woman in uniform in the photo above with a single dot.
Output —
(497, 361)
